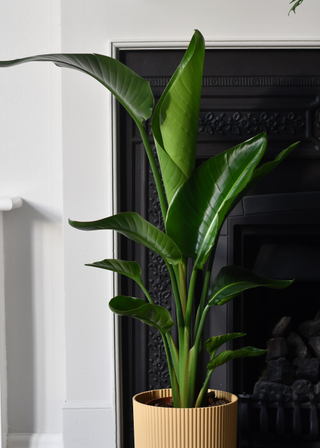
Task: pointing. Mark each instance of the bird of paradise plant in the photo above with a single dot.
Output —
(194, 204)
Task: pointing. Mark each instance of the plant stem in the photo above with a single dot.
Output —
(183, 369)
(154, 168)
(205, 289)
(198, 337)
(173, 378)
(174, 352)
(204, 389)
(192, 286)
(146, 292)
(183, 287)
(180, 317)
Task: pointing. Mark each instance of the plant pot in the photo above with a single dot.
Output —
(207, 427)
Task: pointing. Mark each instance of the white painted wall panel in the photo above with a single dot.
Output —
(31, 167)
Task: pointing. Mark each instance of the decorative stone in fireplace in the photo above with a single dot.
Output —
(275, 231)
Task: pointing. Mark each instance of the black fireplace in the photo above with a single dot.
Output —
(275, 231)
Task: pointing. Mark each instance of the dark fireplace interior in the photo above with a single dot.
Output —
(280, 251)
(275, 231)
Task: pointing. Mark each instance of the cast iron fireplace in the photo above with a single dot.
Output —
(274, 231)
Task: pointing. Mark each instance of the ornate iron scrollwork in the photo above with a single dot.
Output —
(251, 123)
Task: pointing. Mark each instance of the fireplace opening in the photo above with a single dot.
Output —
(277, 236)
(276, 252)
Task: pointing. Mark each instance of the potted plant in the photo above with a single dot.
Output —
(194, 205)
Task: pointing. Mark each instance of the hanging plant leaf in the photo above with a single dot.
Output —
(228, 355)
(153, 315)
(296, 3)
(232, 280)
(130, 269)
(133, 226)
(215, 342)
(132, 91)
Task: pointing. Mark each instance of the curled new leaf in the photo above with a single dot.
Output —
(153, 315)
(232, 280)
(175, 128)
(133, 226)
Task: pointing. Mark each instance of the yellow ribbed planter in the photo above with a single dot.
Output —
(209, 427)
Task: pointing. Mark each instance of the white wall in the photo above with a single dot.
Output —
(31, 167)
(55, 153)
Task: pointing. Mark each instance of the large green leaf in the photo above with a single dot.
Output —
(201, 204)
(130, 269)
(130, 89)
(153, 315)
(215, 342)
(136, 228)
(232, 280)
(228, 355)
(176, 117)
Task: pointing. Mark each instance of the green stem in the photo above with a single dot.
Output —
(205, 289)
(183, 287)
(192, 287)
(174, 352)
(155, 170)
(180, 318)
(204, 389)
(183, 369)
(198, 337)
(146, 292)
(173, 378)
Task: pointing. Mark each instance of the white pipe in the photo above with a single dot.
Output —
(8, 203)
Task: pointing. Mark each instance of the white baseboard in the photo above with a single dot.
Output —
(35, 441)
(88, 424)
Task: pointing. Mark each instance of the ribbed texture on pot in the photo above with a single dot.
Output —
(209, 427)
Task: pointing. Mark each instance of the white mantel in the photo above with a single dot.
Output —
(56, 153)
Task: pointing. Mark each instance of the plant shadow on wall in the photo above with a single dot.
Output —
(27, 249)
(194, 202)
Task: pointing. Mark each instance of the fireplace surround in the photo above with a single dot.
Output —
(244, 92)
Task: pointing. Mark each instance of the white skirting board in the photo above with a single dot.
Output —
(35, 441)
(88, 424)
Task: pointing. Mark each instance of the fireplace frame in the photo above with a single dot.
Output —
(116, 49)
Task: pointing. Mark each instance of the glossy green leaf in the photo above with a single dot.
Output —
(153, 315)
(136, 228)
(259, 174)
(269, 166)
(176, 117)
(132, 91)
(215, 342)
(130, 269)
(232, 280)
(201, 204)
(228, 355)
